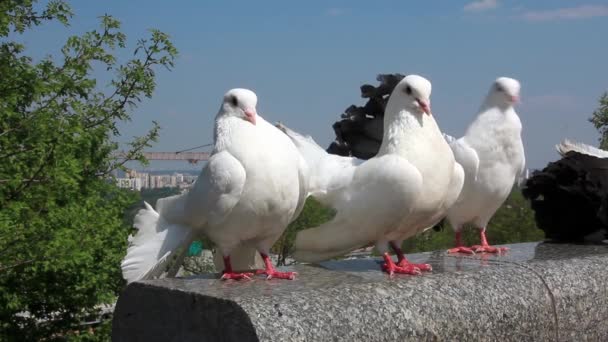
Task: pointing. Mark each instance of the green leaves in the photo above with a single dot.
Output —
(62, 223)
(512, 223)
(313, 214)
(19, 15)
(599, 119)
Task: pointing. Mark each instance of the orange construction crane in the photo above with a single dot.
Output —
(191, 157)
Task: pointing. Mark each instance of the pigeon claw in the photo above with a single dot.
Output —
(489, 249)
(421, 267)
(236, 275)
(270, 274)
(461, 249)
(391, 269)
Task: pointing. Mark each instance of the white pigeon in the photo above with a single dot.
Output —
(253, 186)
(492, 156)
(407, 187)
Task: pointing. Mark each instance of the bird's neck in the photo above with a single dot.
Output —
(494, 119)
(402, 129)
(222, 133)
(491, 102)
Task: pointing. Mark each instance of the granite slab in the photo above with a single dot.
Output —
(536, 292)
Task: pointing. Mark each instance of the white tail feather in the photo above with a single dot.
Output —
(310, 150)
(329, 240)
(152, 247)
(450, 139)
(567, 146)
(327, 171)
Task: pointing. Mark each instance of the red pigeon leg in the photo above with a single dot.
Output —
(485, 246)
(460, 248)
(404, 263)
(270, 271)
(227, 273)
(391, 268)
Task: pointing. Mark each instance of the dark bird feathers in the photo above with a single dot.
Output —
(360, 129)
(570, 197)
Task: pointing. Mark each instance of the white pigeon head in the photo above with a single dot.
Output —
(504, 92)
(240, 103)
(414, 92)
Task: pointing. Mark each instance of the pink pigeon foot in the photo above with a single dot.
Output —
(391, 268)
(270, 271)
(489, 249)
(228, 273)
(460, 248)
(485, 246)
(404, 263)
(236, 275)
(423, 267)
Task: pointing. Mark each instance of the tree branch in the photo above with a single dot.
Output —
(31, 180)
(21, 263)
(127, 95)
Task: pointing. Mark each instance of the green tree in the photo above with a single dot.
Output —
(62, 226)
(313, 214)
(512, 223)
(599, 119)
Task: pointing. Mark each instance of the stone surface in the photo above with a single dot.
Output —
(536, 292)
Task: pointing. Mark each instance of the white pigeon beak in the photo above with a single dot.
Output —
(425, 106)
(514, 98)
(250, 115)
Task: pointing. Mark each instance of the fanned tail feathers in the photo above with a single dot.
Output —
(327, 171)
(570, 146)
(152, 247)
(309, 149)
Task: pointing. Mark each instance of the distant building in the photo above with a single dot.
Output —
(129, 183)
(141, 180)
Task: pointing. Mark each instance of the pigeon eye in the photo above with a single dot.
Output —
(234, 101)
(499, 88)
(408, 90)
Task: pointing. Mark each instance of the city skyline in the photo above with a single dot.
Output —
(136, 180)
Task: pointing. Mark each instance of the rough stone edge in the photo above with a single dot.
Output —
(561, 288)
(228, 312)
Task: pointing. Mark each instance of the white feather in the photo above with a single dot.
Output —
(152, 247)
(389, 197)
(327, 172)
(450, 139)
(492, 156)
(252, 187)
(567, 146)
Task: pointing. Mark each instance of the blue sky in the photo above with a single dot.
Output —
(306, 60)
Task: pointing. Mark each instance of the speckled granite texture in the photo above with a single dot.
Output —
(537, 292)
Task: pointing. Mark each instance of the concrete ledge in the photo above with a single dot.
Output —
(537, 292)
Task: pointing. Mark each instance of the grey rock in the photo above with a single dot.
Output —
(537, 292)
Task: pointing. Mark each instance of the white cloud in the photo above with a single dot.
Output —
(571, 13)
(481, 5)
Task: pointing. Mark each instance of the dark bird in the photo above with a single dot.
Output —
(360, 129)
(570, 196)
